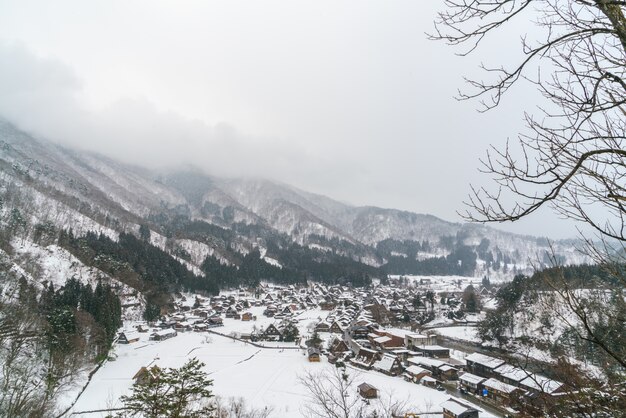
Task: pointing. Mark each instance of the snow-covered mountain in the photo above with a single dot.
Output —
(46, 184)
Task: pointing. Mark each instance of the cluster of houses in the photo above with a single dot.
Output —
(361, 342)
(356, 333)
(505, 384)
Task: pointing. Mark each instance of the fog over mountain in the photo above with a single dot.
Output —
(355, 104)
(193, 216)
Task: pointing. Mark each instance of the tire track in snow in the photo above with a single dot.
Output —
(246, 359)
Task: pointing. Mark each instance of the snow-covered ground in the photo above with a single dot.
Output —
(264, 377)
(465, 333)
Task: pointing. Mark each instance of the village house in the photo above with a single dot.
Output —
(142, 376)
(336, 328)
(313, 354)
(163, 334)
(128, 337)
(247, 316)
(337, 345)
(412, 341)
(500, 392)
(389, 365)
(183, 326)
(434, 351)
(200, 327)
(471, 383)
(327, 305)
(539, 384)
(272, 333)
(483, 365)
(231, 312)
(367, 391)
(439, 369)
(415, 373)
(454, 408)
(511, 374)
(215, 321)
(365, 358)
(322, 326)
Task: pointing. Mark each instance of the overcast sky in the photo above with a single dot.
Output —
(347, 99)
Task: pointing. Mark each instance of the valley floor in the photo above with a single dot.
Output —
(264, 377)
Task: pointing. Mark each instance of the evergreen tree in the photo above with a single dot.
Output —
(171, 393)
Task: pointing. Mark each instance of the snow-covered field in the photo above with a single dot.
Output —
(465, 333)
(264, 377)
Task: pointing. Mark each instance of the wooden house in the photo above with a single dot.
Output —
(483, 365)
(336, 328)
(539, 384)
(365, 358)
(500, 392)
(448, 372)
(434, 351)
(200, 327)
(272, 333)
(163, 334)
(412, 341)
(313, 354)
(143, 376)
(511, 374)
(415, 373)
(337, 345)
(231, 312)
(247, 316)
(215, 321)
(128, 337)
(455, 408)
(322, 326)
(389, 365)
(327, 306)
(471, 383)
(367, 391)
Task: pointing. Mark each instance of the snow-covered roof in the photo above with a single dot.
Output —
(426, 361)
(385, 364)
(484, 360)
(471, 378)
(416, 336)
(415, 370)
(131, 335)
(164, 332)
(432, 348)
(511, 372)
(456, 407)
(382, 340)
(541, 383)
(499, 386)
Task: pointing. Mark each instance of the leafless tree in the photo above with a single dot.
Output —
(331, 394)
(571, 155)
(22, 387)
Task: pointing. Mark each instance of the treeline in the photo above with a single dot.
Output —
(71, 309)
(461, 262)
(136, 262)
(48, 337)
(580, 276)
(298, 263)
(528, 312)
(387, 248)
